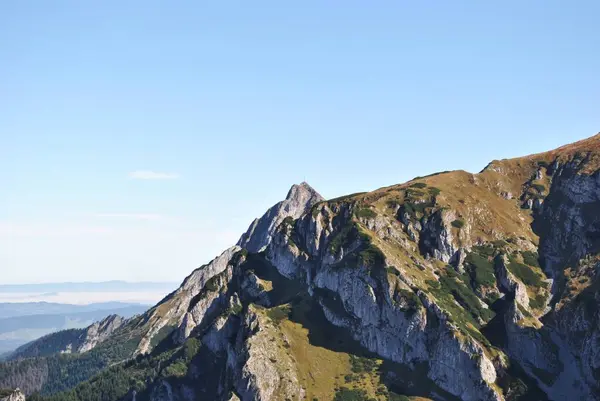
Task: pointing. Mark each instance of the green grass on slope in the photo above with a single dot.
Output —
(525, 274)
(463, 306)
(481, 269)
(332, 365)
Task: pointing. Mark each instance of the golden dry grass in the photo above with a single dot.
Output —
(322, 370)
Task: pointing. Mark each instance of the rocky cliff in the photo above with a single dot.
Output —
(11, 395)
(451, 286)
(260, 233)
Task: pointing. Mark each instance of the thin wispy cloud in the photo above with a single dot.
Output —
(152, 175)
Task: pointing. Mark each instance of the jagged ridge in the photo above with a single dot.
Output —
(484, 283)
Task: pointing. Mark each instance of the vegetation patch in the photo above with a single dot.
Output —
(419, 185)
(114, 382)
(418, 202)
(289, 225)
(212, 284)
(539, 188)
(288, 222)
(524, 311)
(539, 302)
(458, 223)
(433, 191)
(239, 256)
(346, 394)
(466, 299)
(531, 258)
(346, 236)
(462, 305)
(176, 369)
(393, 271)
(367, 254)
(415, 208)
(525, 274)
(279, 313)
(362, 364)
(409, 301)
(371, 256)
(489, 250)
(481, 269)
(365, 213)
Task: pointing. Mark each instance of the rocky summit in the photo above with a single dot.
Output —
(453, 286)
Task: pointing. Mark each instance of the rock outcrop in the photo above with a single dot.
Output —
(99, 332)
(12, 395)
(73, 341)
(298, 201)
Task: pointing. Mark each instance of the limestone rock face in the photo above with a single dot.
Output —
(100, 331)
(299, 199)
(263, 372)
(15, 395)
(175, 309)
(364, 306)
(569, 223)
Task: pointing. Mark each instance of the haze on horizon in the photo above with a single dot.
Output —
(139, 140)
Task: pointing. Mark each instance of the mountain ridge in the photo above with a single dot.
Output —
(472, 280)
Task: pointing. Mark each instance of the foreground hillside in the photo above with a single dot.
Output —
(451, 286)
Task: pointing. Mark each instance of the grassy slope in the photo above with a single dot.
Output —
(489, 210)
(327, 359)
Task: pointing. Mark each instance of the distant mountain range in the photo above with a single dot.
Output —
(86, 292)
(21, 309)
(24, 322)
(104, 286)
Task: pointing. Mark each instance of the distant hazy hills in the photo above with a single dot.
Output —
(105, 286)
(24, 322)
(8, 310)
(30, 311)
(85, 293)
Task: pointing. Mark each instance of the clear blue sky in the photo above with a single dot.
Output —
(139, 139)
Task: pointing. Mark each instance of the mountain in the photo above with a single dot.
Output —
(70, 341)
(453, 286)
(260, 232)
(21, 323)
(11, 395)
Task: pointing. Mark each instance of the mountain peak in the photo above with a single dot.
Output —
(302, 189)
(300, 198)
